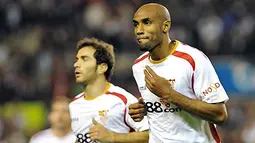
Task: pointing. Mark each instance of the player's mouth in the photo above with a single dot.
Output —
(142, 39)
(77, 73)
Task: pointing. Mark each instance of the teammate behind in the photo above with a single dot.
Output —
(100, 113)
(60, 130)
(183, 95)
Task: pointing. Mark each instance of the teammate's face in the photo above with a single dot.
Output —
(147, 28)
(59, 116)
(85, 65)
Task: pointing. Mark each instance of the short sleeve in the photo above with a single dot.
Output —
(207, 85)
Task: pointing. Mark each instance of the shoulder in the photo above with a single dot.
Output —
(41, 135)
(190, 54)
(76, 98)
(141, 59)
(122, 94)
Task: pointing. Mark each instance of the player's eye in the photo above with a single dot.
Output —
(135, 24)
(85, 58)
(147, 22)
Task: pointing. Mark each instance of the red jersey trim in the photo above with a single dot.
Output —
(186, 57)
(142, 58)
(124, 99)
(189, 59)
(214, 133)
(77, 98)
(121, 96)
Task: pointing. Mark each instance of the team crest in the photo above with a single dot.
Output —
(103, 115)
(172, 82)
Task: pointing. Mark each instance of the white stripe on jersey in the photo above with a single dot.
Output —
(190, 73)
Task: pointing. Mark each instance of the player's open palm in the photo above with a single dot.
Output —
(99, 133)
(156, 84)
(137, 110)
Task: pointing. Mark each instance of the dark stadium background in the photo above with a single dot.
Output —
(38, 40)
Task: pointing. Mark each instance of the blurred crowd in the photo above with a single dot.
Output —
(38, 41)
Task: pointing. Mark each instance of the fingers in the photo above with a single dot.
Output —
(94, 132)
(138, 119)
(150, 71)
(94, 135)
(139, 115)
(140, 100)
(147, 74)
(92, 129)
(137, 111)
(94, 121)
(148, 84)
(149, 80)
(96, 126)
(136, 106)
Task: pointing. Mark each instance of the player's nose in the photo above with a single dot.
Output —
(140, 29)
(75, 65)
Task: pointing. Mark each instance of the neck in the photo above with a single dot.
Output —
(162, 50)
(60, 132)
(96, 88)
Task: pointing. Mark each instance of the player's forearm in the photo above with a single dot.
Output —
(215, 113)
(133, 137)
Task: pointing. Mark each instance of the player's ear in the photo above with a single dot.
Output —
(166, 26)
(102, 68)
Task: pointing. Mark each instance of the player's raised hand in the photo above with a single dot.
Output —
(99, 133)
(156, 84)
(137, 110)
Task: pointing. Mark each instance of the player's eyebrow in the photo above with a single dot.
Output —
(84, 56)
(134, 21)
(146, 19)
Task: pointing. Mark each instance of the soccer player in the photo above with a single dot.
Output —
(100, 112)
(60, 130)
(181, 90)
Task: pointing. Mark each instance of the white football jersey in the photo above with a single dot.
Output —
(46, 136)
(190, 73)
(109, 109)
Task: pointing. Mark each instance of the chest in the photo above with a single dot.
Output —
(178, 74)
(105, 110)
(53, 139)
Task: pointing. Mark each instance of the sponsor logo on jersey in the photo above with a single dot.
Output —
(156, 107)
(84, 138)
(212, 88)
